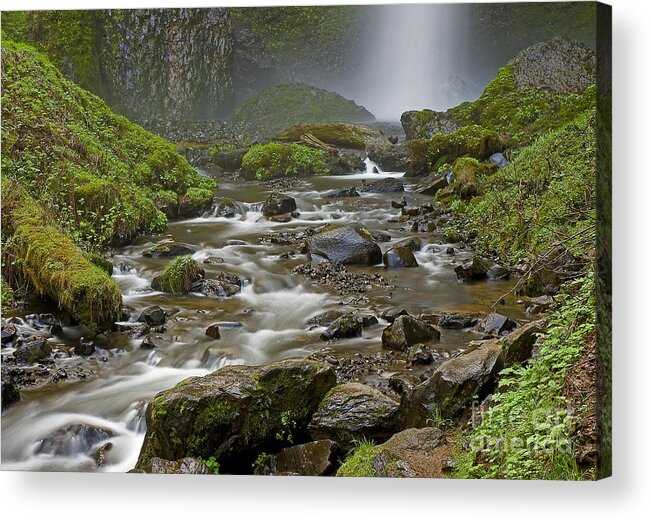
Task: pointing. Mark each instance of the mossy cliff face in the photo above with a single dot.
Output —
(36, 250)
(105, 177)
(172, 62)
(235, 411)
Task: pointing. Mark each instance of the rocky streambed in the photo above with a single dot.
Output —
(325, 310)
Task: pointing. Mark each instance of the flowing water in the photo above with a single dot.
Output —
(264, 323)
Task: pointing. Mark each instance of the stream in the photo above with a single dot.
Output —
(266, 322)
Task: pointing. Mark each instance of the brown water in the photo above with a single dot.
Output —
(272, 311)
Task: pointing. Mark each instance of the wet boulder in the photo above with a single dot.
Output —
(432, 187)
(325, 318)
(497, 324)
(312, 459)
(222, 285)
(225, 207)
(85, 347)
(399, 203)
(9, 390)
(343, 327)
(420, 354)
(498, 272)
(353, 411)
(406, 331)
(343, 193)
(348, 245)
(386, 185)
(411, 243)
(518, 345)
(153, 316)
(392, 313)
(474, 269)
(278, 204)
(399, 257)
(74, 439)
(8, 333)
(213, 331)
(453, 385)
(235, 412)
(168, 250)
(32, 350)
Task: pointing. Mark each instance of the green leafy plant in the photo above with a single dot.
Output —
(211, 463)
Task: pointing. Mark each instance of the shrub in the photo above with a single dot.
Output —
(277, 159)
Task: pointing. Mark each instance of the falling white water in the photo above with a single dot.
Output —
(371, 166)
(414, 56)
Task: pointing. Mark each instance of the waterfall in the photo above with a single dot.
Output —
(414, 56)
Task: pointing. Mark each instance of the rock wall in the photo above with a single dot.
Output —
(172, 63)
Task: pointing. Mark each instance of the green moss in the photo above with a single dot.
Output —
(474, 141)
(178, 277)
(53, 264)
(361, 462)
(527, 432)
(545, 195)
(282, 106)
(7, 295)
(277, 159)
(520, 114)
(346, 135)
(100, 173)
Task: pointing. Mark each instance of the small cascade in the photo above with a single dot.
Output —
(371, 166)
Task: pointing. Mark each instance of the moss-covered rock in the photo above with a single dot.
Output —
(179, 276)
(44, 256)
(344, 135)
(427, 155)
(282, 106)
(235, 411)
(105, 177)
(465, 180)
(277, 159)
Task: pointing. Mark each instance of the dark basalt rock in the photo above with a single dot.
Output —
(411, 243)
(153, 316)
(223, 285)
(419, 354)
(474, 269)
(348, 326)
(325, 319)
(406, 331)
(391, 314)
(518, 345)
(85, 347)
(168, 250)
(213, 331)
(348, 245)
(454, 384)
(9, 390)
(497, 324)
(354, 411)
(399, 203)
(399, 257)
(32, 350)
(278, 204)
(498, 272)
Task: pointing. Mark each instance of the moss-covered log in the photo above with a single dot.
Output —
(53, 264)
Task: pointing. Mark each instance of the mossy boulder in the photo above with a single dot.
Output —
(427, 123)
(235, 412)
(51, 262)
(179, 276)
(282, 106)
(168, 250)
(427, 155)
(340, 134)
(406, 331)
(264, 161)
(352, 412)
(348, 245)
